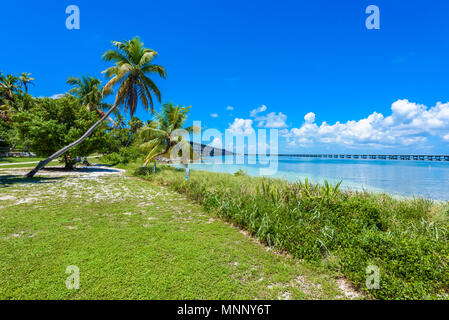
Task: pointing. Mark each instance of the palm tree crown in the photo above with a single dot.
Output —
(25, 79)
(159, 135)
(8, 86)
(132, 65)
(87, 89)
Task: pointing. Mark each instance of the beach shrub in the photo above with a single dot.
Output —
(240, 172)
(124, 155)
(146, 171)
(405, 239)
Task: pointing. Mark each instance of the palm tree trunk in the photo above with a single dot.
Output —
(101, 113)
(159, 154)
(43, 163)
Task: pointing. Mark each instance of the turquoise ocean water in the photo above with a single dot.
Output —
(429, 179)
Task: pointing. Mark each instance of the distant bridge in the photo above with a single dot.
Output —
(416, 157)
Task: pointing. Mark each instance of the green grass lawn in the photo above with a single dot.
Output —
(135, 240)
(8, 163)
(26, 165)
(19, 159)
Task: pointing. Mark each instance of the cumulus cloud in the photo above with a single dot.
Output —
(408, 124)
(57, 96)
(242, 127)
(214, 115)
(446, 137)
(230, 108)
(254, 112)
(272, 120)
(310, 117)
(216, 143)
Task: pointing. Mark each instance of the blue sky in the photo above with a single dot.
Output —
(374, 89)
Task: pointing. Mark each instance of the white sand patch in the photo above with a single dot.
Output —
(89, 172)
(25, 200)
(347, 289)
(4, 198)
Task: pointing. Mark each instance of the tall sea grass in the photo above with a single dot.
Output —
(406, 239)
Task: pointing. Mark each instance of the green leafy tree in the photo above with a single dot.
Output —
(51, 124)
(133, 65)
(133, 126)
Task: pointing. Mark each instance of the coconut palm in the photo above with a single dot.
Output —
(161, 136)
(25, 79)
(130, 73)
(88, 91)
(120, 122)
(9, 85)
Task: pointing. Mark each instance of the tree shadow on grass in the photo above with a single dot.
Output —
(9, 180)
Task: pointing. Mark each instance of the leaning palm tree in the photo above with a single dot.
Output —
(25, 79)
(161, 137)
(130, 73)
(88, 91)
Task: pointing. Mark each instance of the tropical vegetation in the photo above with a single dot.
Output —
(165, 136)
(342, 231)
(51, 124)
(132, 66)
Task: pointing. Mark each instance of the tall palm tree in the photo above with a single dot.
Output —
(120, 122)
(9, 85)
(159, 135)
(88, 91)
(132, 67)
(25, 79)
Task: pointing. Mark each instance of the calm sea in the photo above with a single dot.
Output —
(402, 178)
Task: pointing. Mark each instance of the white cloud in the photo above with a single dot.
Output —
(258, 110)
(310, 117)
(57, 96)
(446, 137)
(230, 108)
(242, 127)
(408, 124)
(216, 143)
(214, 115)
(272, 120)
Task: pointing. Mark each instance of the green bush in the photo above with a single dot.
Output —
(145, 171)
(320, 222)
(124, 156)
(240, 172)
